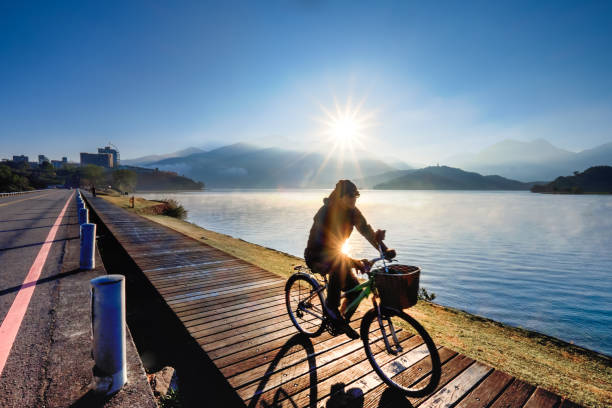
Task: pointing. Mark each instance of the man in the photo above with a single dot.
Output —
(332, 226)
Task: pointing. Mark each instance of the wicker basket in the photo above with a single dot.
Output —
(399, 288)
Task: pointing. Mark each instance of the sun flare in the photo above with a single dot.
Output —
(346, 248)
(344, 129)
(344, 135)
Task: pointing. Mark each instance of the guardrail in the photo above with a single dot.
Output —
(21, 192)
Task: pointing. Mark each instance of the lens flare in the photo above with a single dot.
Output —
(346, 249)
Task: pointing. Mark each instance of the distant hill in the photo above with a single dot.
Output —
(449, 178)
(596, 179)
(243, 165)
(154, 180)
(529, 161)
(144, 160)
(371, 181)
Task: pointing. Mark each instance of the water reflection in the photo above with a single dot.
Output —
(536, 261)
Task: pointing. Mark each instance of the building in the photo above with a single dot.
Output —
(42, 158)
(59, 164)
(99, 159)
(114, 152)
(21, 159)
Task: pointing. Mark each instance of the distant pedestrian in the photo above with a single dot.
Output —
(93, 191)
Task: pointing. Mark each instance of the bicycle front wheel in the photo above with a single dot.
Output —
(304, 300)
(401, 352)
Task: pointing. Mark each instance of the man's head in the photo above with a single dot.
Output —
(347, 193)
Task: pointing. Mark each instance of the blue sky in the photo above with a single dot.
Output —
(435, 79)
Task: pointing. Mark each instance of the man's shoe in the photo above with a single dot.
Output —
(349, 331)
(339, 322)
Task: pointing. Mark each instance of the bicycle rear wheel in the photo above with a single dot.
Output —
(304, 300)
(401, 352)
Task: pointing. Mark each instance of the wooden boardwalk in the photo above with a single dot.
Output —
(236, 312)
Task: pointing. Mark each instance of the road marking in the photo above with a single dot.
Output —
(24, 199)
(12, 321)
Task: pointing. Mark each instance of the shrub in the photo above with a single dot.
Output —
(424, 295)
(172, 208)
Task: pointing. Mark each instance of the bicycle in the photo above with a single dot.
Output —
(387, 332)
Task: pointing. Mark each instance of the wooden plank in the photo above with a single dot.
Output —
(341, 370)
(452, 392)
(213, 313)
(487, 391)
(205, 294)
(514, 396)
(323, 353)
(450, 369)
(244, 359)
(569, 404)
(542, 398)
(215, 317)
(238, 319)
(222, 300)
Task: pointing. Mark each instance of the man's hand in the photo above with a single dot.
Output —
(366, 265)
(362, 265)
(390, 254)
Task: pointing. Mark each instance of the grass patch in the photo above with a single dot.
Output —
(578, 374)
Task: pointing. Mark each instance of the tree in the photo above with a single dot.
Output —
(9, 181)
(124, 180)
(92, 175)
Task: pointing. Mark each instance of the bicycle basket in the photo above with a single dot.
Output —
(399, 288)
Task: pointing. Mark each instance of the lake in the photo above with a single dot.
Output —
(538, 261)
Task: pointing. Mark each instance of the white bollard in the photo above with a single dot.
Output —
(108, 327)
(83, 216)
(88, 246)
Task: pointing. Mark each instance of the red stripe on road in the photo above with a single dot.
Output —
(12, 321)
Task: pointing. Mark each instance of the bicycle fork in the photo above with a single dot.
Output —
(395, 349)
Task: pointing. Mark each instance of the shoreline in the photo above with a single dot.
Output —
(579, 374)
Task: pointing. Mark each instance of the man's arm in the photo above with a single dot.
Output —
(366, 230)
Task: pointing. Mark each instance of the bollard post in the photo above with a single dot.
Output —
(108, 329)
(83, 216)
(88, 246)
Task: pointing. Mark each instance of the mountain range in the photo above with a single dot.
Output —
(529, 161)
(145, 160)
(242, 165)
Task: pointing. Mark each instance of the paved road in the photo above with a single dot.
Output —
(25, 223)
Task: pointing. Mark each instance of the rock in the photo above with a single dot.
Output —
(163, 381)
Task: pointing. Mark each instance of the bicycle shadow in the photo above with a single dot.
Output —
(391, 397)
(282, 396)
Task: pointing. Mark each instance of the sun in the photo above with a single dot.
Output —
(344, 129)
(343, 136)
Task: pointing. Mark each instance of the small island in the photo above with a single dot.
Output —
(450, 178)
(594, 180)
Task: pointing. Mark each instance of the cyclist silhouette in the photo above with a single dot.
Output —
(332, 226)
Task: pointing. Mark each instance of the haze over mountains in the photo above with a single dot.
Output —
(243, 165)
(143, 161)
(531, 161)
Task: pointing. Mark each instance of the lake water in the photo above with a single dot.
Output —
(541, 262)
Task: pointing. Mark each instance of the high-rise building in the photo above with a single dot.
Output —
(21, 159)
(99, 159)
(42, 158)
(114, 152)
